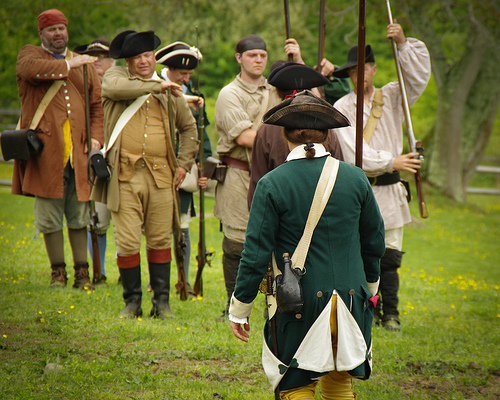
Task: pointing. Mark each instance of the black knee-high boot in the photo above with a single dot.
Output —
(389, 284)
(132, 293)
(159, 275)
(230, 263)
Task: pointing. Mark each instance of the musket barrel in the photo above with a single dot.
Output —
(412, 143)
(287, 25)
(361, 83)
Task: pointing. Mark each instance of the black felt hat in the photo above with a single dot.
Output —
(294, 76)
(352, 61)
(305, 111)
(96, 46)
(131, 43)
(179, 55)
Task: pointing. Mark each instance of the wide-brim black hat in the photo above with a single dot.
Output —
(179, 55)
(294, 76)
(96, 46)
(131, 43)
(352, 61)
(305, 111)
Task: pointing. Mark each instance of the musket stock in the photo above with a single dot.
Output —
(202, 257)
(96, 259)
(179, 243)
(412, 143)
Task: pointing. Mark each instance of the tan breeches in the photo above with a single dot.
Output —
(336, 385)
(144, 209)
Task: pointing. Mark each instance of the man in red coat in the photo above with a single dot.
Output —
(58, 176)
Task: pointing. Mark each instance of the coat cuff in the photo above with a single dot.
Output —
(373, 287)
(239, 309)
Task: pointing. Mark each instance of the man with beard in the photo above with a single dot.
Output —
(58, 176)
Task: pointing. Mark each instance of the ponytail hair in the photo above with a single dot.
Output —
(307, 137)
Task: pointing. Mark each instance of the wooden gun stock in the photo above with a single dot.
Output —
(96, 253)
(96, 256)
(179, 246)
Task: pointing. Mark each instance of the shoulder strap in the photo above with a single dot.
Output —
(47, 98)
(375, 114)
(122, 121)
(321, 196)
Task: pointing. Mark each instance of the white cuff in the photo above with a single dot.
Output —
(232, 318)
(373, 287)
(238, 309)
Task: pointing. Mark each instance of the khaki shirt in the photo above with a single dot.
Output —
(238, 108)
(119, 90)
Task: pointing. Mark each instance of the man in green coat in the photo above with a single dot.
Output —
(330, 338)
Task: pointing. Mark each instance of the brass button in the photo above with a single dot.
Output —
(319, 294)
(298, 316)
(351, 292)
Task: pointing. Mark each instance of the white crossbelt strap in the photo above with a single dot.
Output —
(322, 194)
(47, 98)
(122, 121)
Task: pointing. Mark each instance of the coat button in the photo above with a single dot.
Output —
(319, 294)
(298, 315)
(352, 291)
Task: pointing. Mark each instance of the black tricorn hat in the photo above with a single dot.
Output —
(131, 43)
(294, 76)
(305, 111)
(179, 55)
(352, 61)
(96, 46)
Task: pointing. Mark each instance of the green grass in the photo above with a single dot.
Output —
(447, 349)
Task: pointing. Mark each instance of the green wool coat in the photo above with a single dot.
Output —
(344, 254)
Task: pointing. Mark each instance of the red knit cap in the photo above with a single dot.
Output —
(51, 17)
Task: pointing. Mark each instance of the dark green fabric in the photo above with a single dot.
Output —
(344, 254)
(337, 88)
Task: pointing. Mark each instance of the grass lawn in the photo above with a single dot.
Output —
(69, 344)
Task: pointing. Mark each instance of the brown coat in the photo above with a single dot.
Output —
(270, 149)
(42, 175)
(119, 90)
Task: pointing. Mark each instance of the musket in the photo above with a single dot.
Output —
(94, 218)
(202, 257)
(272, 318)
(287, 25)
(321, 42)
(361, 83)
(415, 146)
(178, 236)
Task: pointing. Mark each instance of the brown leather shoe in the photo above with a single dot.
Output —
(82, 280)
(59, 278)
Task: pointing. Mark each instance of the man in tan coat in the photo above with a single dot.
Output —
(58, 177)
(145, 171)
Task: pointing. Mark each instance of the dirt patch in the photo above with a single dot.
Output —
(440, 379)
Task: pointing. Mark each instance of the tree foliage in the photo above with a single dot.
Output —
(462, 36)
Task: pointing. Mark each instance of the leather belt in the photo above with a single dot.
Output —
(234, 163)
(385, 179)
